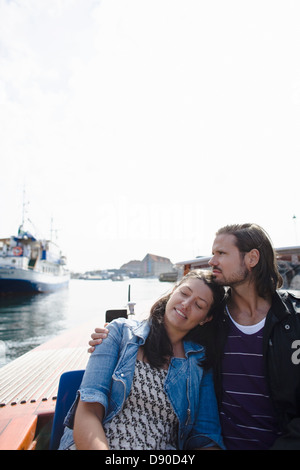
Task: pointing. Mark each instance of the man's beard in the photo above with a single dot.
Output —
(235, 279)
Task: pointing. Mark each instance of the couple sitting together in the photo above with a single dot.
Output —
(209, 369)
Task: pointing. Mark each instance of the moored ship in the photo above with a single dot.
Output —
(31, 265)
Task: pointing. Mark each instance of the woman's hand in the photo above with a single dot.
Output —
(97, 337)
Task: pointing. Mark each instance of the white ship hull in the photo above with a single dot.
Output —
(28, 265)
(13, 280)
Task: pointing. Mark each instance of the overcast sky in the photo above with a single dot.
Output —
(142, 126)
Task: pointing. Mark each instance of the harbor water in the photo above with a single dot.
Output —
(28, 321)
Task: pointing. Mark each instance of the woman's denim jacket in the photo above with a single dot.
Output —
(109, 374)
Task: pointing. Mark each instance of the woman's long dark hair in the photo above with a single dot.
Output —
(158, 348)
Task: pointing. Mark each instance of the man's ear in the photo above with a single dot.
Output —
(252, 258)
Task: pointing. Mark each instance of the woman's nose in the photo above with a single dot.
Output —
(186, 303)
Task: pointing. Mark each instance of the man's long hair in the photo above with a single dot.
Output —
(265, 273)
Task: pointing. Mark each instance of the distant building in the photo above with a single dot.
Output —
(133, 267)
(154, 265)
(150, 266)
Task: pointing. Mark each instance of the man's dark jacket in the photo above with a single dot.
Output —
(281, 350)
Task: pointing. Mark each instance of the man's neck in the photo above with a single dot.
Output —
(245, 305)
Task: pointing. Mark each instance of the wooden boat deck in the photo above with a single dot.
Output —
(29, 384)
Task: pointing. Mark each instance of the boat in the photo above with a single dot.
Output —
(30, 383)
(288, 261)
(169, 276)
(31, 265)
(91, 277)
(200, 262)
(29, 386)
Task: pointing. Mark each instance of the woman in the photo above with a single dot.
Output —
(147, 386)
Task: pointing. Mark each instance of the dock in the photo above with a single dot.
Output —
(29, 384)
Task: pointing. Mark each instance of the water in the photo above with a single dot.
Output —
(27, 322)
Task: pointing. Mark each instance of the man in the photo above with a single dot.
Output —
(257, 344)
(257, 335)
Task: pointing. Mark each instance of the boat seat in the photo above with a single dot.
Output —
(111, 315)
(69, 383)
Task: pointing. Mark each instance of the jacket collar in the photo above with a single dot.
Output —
(278, 311)
(279, 305)
(142, 330)
(191, 347)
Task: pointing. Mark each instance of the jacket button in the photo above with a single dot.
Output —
(287, 327)
(122, 375)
